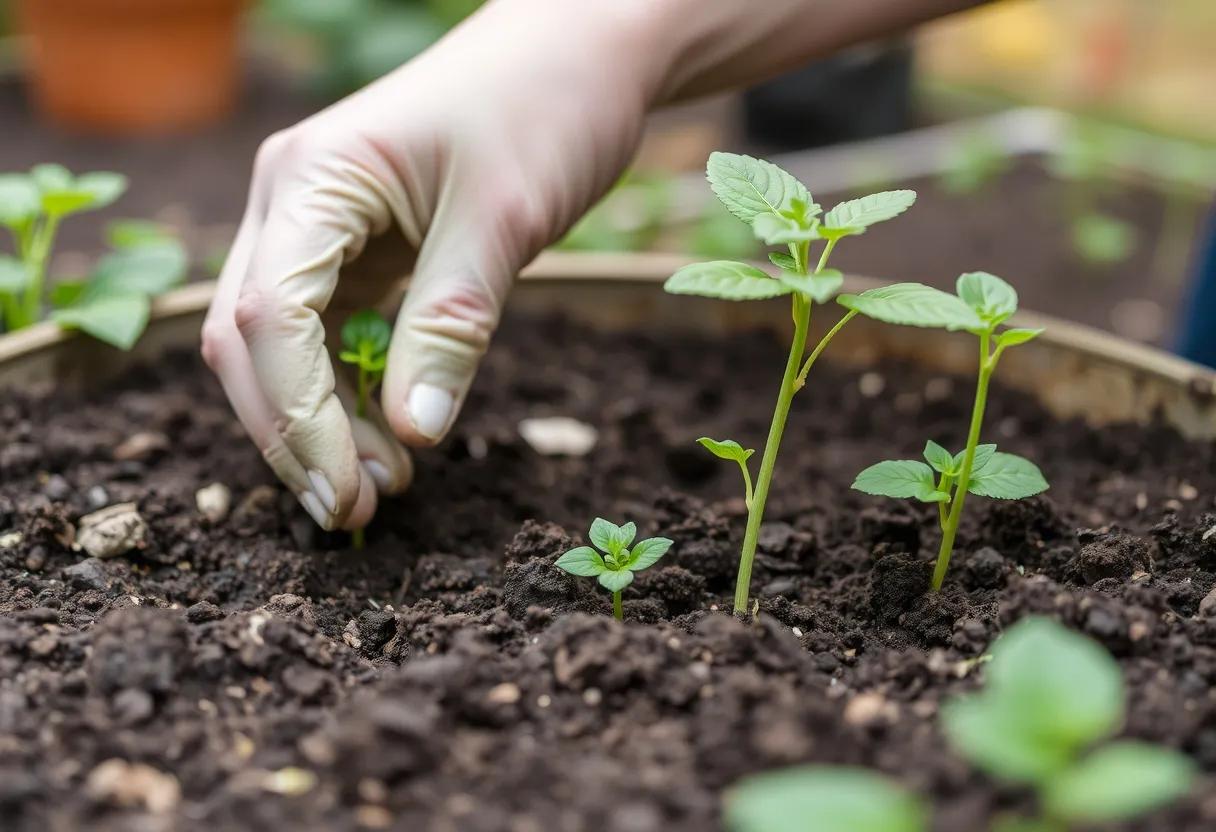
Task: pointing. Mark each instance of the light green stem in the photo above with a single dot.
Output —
(747, 484)
(827, 339)
(950, 528)
(38, 252)
(617, 611)
(802, 323)
(357, 539)
(944, 484)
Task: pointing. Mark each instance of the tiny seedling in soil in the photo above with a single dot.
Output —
(1050, 696)
(621, 557)
(822, 799)
(983, 303)
(365, 339)
(780, 212)
(113, 303)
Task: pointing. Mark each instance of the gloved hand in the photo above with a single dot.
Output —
(480, 152)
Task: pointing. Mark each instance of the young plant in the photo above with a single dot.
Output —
(621, 557)
(780, 212)
(982, 304)
(365, 339)
(1050, 696)
(822, 799)
(113, 303)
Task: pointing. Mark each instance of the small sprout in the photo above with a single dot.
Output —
(620, 557)
(1051, 695)
(780, 211)
(822, 799)
(982, 303)
(365, 339)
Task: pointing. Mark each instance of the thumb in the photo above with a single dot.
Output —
(450, 312)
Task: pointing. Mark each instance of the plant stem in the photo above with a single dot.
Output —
(357, 539)
(950, 529)
(747, 484)
(38, 253)
(944, 484)
(802, 323)
(617, 612)
(827, 339)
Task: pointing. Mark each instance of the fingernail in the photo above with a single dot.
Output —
(324, 490)
(379, 474)
(430, 408)
(315, 510)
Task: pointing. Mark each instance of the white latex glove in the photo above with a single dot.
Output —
(480, 152)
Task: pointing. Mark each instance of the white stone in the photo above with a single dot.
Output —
(558, 436)
(112, 531)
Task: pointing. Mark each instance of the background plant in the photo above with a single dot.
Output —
(112, 303)
(780, 211)
(621, 558)
(365, 339)
(822, 799)
(983, 303)
(1050, 696)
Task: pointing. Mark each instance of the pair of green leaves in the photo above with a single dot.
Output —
(822, 799)
(365, 339)
(114, 303)
(621, 558)
(52, 190)
(982, 302)
(993, 474)
(1050, 695)
(780, 211)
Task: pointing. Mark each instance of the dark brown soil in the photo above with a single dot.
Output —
(450, 678)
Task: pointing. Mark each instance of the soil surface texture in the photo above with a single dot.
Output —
(248, 672)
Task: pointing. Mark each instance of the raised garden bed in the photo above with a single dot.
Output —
(448, 677)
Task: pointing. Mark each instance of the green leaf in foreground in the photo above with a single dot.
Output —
(941, 459)
(749, 187)
(993, 299)
(900, 478)
(1007, 477)
(1119, 781)
(150, 268)
(783, 261)
(821, 799)
(983, 453)
(615, 580)
(913, 304)
(366, 329)
(725, 279)
(582, 561)
(856, 215)
(1014, 337)
(20, 200)
(779, 230)
(647, 553)
(985, 731)
(116, 319)
(820, 287)
(726, 449)
(14, 275)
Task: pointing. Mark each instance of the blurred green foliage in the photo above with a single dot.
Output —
(360, 40)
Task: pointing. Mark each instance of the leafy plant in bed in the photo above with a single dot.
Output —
(113, 302)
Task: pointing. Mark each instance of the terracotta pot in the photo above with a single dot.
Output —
(133, 66)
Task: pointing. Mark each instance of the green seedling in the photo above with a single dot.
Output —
(1050, 696)
(620, 557)
(822, 799)
(983, 303)
(780, 212)
(365, 340)
(112, 304)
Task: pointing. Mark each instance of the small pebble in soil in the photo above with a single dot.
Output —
(213, 502)
(112, 531)
(97, 496)
(133, 786)
(871, 384)
(558, 436)
(141, 446)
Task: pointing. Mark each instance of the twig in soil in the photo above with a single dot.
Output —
(983, 302)
(616, 567)
(780, 211)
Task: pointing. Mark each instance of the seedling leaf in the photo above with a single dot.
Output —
(582, 561)
(941, 459)
(983, 453)
(749, 187)
(615, 580)
(982, 731)
(1007, 477)
(900, 478)
(779, 230)
(821, 799)
(366, 327)
(130, 233)
(913, 304)
(103, 188)
(1013, 337)
(116, 319)
(820, 287)
(993, 299)
(20, 200)
(1119, 781)
(603, 534)
(648, 552)
(783, 261)
(14, 275)
(856, 215)
(149, 268)
(725, 279)
(726, 449)
(51, 177)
